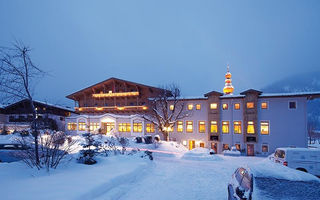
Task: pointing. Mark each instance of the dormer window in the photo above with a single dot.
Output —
(250, 105)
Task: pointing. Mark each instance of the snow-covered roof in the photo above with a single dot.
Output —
(288, 94)
(317, 94)
(41, 102)
(55, 105)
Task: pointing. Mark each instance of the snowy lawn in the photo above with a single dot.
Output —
(175, 173)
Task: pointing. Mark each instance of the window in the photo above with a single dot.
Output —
(238, 147)
(225, 146)
(150, 128)
(94, 126)
(213, 127)
(124, 127)
(237, 106)
(171, 107)
(225, 106)
(237, 127)
(213, 106)
(292, 105)
(81, 126)
(264, 105)
(137, 127)
(250, 105)
(180, 126)
(202, 126)
(250, 127)
(189, 126)
(225, 126)
(198, 107)
(264, 127)
(265, 148)
(72, 126)
(190, 106)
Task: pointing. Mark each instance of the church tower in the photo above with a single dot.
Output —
(228, 88)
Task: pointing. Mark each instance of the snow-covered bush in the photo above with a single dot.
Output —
(53, 148)
(90, 150)
(124, 142)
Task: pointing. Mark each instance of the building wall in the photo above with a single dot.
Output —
(195, 117)
(286, 127)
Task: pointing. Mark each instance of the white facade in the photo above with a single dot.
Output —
(282, 126)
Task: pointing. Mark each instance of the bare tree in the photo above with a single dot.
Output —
(17, 76)
(311, 128)
(166, 109)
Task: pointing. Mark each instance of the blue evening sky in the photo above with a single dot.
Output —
(153, 42)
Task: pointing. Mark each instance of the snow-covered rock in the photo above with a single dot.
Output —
(200, 154)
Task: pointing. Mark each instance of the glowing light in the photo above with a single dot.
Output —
(228, 88)
(99, 108)
(144, 107)
(120, 108)
(117, 94)
(184, 143)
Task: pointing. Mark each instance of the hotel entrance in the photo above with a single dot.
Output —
(214, 146)
(192, 144)
(107, 127)
(250, 149)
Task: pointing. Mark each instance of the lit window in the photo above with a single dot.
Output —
(190, 106)
(124, 127)
(250, 127)
(150, 128)
(213, 127)
(292, 105)
(213, 106)
(238, 147)
(171, 107)
(72, 126)
(225, 106)
(264, 105)
(189, 126)
(225, 146)
(264, 127)
(250, 105)
(225, 126)
(180, 126)
(202, 127)
(94, 126)
(237, 127)
(265, 148)
(81, 126)
(198, 106)
(201, 144)
(237, 106)
(137, 127)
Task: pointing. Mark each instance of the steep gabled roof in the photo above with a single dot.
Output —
(41, 103)
(252, 91)
(70, 96)
(214, 93)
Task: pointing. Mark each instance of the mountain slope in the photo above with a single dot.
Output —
(306, 82)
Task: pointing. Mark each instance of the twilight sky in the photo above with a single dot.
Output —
(80, 43)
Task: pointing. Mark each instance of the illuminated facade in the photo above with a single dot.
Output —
(113, 96)
(254, 122)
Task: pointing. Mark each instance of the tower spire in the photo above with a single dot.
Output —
(228, 88)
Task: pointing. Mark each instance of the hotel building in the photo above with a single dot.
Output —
(254, 122)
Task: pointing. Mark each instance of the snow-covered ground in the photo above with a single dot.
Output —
(175, 173)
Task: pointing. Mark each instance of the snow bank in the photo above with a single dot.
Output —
(200, 154)
(70, 181)
(7, 139)
(267, 168)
